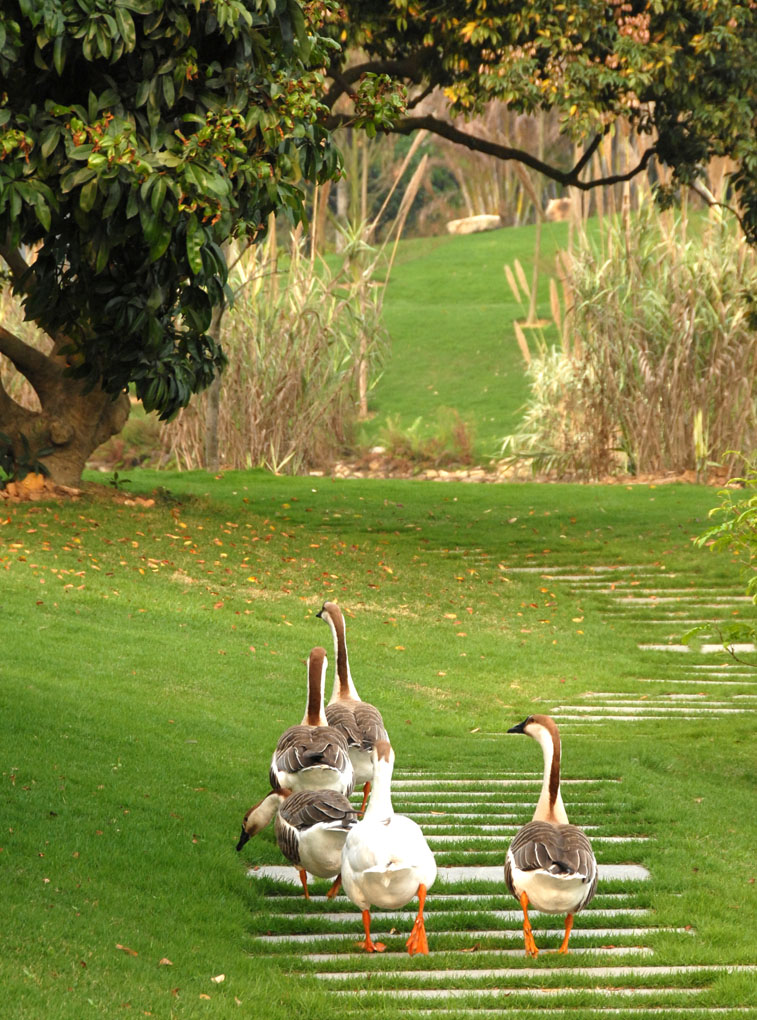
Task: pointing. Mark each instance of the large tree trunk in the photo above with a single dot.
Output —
(70, 424)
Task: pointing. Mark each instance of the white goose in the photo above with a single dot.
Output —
(386, 860)
(360, 722)
(550, 864)
(310, 827)
(313, 755)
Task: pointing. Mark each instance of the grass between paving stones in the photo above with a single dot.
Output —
(152, 656)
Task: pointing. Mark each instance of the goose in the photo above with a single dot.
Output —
(310, 828)
(313, 755)
(550, 864)
(386, 860)
(360, 722)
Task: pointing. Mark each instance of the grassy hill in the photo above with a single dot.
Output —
(449, 312)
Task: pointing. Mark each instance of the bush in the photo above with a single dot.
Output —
(297, 338)
(657, 374)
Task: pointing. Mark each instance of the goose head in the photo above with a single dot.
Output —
(541, 728)
(259, 816)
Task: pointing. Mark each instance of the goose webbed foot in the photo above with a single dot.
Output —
(369, 945)
(418, 943)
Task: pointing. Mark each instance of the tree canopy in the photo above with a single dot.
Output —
(682, 75)
(136, 136)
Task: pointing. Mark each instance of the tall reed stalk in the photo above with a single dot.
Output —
(657, 366)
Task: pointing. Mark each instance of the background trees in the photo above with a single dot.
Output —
(136, 137)
(683, 77)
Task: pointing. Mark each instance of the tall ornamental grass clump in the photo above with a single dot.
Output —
(656, 369)
(299, 338)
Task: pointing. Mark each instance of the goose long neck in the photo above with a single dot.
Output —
(380, 802)
(315, 714)
(344, 686)
(259, 816)
(550, 807)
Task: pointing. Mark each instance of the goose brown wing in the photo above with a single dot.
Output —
(370, 725)
(318, 807)
(303, 810)
(560, 850)
(342, 717)
(302, 747)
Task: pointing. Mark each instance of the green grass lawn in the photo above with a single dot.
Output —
(152, 656)
(449, 311)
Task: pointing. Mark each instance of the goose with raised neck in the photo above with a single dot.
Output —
(359, 722)
(386, 861)
(313, 755)
(550, 864)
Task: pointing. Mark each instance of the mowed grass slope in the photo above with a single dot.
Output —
(152, 656)
(449, 312)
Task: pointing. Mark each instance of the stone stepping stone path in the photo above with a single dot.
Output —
(663, 605)
(474, 926)
(622, 962)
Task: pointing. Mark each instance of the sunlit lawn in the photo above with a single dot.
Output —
(153, 654)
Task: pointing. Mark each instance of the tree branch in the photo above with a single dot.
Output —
(18, 266)
(568, 178)
(30, 362)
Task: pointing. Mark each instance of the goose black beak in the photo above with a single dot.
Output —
(319, 614)
(242, 840)
(519, 727)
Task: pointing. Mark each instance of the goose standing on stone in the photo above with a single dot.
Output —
(386, 861)
(360, 722)
(550, 864)
(313, 755)
(310, 828)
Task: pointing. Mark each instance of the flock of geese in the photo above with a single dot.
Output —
(380, 858)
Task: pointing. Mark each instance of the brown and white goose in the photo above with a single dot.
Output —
(313, 755)
(550, 864)
(360, 722)
(310, 828)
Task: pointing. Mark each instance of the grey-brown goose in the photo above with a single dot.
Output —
(361, 723)
(550, 864)
(310, 829)
(313, 755)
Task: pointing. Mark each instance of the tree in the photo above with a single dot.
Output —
(683, 75)
(136, 136)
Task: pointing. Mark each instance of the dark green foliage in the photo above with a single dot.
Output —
(135, 138)
(683, 76)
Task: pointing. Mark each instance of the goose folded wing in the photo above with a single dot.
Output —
(319, 807)
(370, 725)
(342, 718)
(557, 849)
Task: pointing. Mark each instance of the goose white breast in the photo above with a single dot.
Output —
(359, 722)
(550, 864)
(313, 755)
(386, 861)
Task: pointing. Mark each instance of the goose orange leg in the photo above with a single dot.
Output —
(304, 879)
(369, 945)
(335, 887)
(528, 935)
(366, 791)
(418, 943)
(568, 928)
